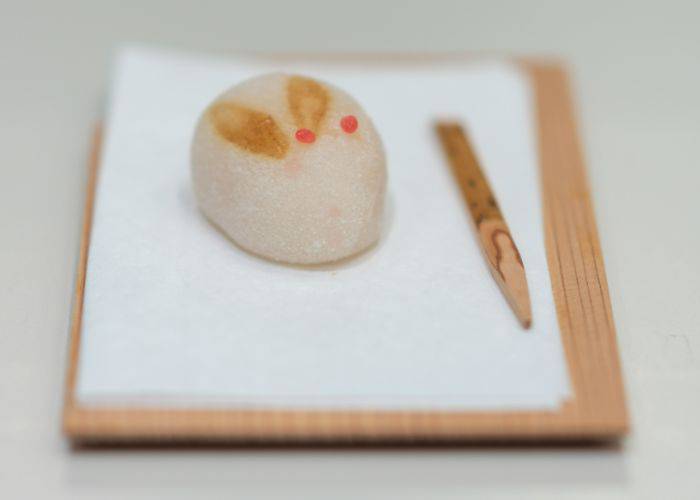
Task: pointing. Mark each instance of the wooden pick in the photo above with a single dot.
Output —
(496, 242)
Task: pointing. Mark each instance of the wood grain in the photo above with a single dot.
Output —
(596, 410)
(496, 242)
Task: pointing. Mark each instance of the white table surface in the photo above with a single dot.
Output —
(636, 68)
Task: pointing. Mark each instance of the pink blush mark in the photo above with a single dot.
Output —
(335, 239)
(292, 168)
(335, 235)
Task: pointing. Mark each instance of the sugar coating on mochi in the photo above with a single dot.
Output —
(291, 169)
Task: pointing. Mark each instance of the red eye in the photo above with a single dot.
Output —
(305, 135)
(349, 123)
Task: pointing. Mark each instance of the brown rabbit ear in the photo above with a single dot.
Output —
(308, 102)
(249, 129)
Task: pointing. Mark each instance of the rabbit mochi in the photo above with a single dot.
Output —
(291, 169)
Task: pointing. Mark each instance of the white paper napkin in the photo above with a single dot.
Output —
(175, 314)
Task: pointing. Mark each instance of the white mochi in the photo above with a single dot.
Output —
(277, 196)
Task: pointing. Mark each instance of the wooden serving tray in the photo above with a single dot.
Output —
(595, 412)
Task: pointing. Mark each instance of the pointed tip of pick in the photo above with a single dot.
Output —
(523, 311)
(525, 321)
